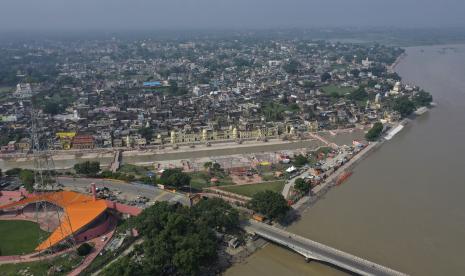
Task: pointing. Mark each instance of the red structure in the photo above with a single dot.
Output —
(84, 217)
(83, 142)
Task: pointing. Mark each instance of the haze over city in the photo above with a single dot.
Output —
(217, 14)
(232, 137)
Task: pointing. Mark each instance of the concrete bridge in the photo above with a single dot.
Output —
(317, 251)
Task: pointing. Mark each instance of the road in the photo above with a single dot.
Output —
(129, 191)
(290, 183)
(317, 251)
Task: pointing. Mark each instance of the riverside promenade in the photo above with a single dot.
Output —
(317, 251)
(330, 181)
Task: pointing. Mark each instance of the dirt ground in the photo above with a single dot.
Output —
(240, 180)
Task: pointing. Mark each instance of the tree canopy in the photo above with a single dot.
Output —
(271, 204)
(51, 108)
(84, 249)
(325, 77)
(359, 94)
(147, 133)
(404, 106)
(177, 240)
(300, 160)
(175, 178)
(422, 98)
(27, 178)
(89, 168)
(291, 67)
(301, 185)
(273, 111)
(375, 132)
(218, 214)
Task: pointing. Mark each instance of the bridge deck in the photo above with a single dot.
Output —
(314, 250)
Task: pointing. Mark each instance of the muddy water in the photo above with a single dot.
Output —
(404, 205)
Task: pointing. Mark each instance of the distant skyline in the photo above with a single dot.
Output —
(232, 14)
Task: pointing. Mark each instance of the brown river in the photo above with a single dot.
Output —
(404, 206)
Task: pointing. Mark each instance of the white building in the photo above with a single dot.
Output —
(23, 90)
(397, 88)
(366, 62)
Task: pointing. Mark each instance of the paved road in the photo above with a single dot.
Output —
(318, 251)
(129, 191)
(290, 183)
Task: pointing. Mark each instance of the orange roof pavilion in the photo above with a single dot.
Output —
(79, 211)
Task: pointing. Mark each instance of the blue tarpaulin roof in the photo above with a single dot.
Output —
(152, 83)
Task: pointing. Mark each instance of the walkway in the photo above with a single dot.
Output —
(116, 161)
(99, 244)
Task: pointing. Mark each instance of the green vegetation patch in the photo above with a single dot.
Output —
(335, 89)
(19, 237)
(201, 180)
(375, 132)
(134, 169)
(5, 91)
(65, 263)
(251, 189)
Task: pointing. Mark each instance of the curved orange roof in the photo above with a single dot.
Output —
(79, 211)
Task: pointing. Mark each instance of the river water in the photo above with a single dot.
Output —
(404, 206)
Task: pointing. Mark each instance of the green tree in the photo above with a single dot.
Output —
(217, 213)
(216, 167)
(404, 106)
(208, 165)
(89, 168)
(273, 111)
(359, 94)
(300, 160)
(308, 84)
(27, 178)
(375, 132)
(175, 178)
(84, 249)
(176, 242)
(291, 67)
(13, 172)
(422, 98)
(301, 185)
(147, 133)
(325, 77)
(271, 204)
(51, 108)
(149, 180)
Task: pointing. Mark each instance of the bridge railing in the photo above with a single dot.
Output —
(371, 265)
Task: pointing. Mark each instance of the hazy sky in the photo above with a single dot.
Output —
(181, 14)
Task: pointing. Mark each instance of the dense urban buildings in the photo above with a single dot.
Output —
(188, 146)
(144, 93)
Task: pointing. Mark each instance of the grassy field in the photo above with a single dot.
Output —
(133, 169)
(201, 180)
(251, 189)
(66, 263)
(334, 89)
(19, 237)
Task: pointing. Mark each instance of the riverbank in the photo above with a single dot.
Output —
(321, 190)
(330, 182)
(403, 206)
(392, 67)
